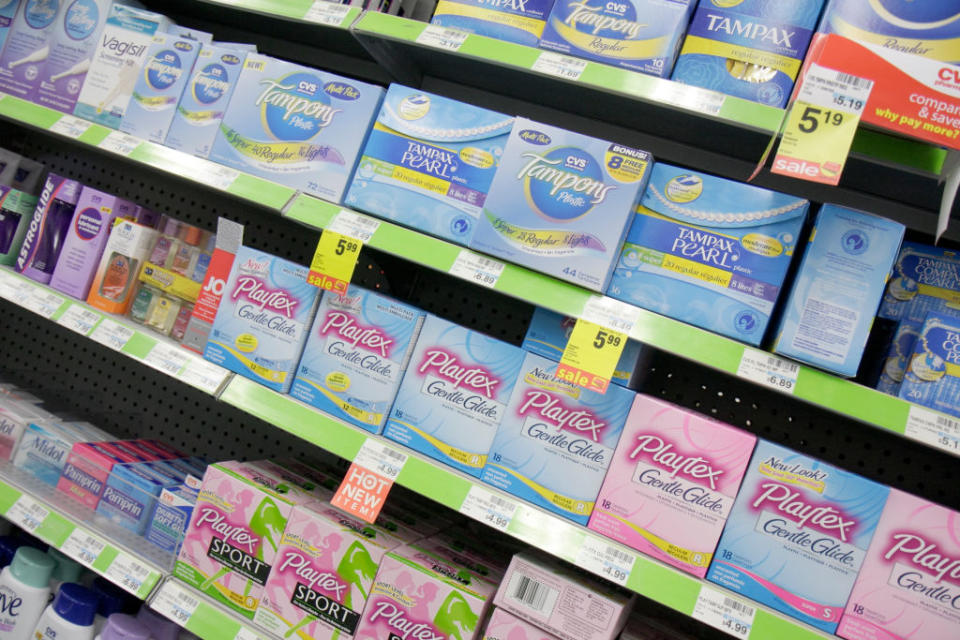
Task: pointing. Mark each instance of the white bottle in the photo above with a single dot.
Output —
(120, 626)
(24, 590)
(69, 616)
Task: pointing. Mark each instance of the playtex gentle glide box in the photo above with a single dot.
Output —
(429, 162)
(827, 317)
(642, 35)
(153, 103)
(558, 599)
(417, 594)
(930, 29)
(671, 483)
(48, 228)
(263, 319)
(925, 279)
(205, 99)
(556, 440)
(752, 49)
(295, 125)
(354, 359)
(898, 356)
(503, 625)
(797, 535)
(27, 47)
(454, 394)
(16, 211)
(235, 531)
(709, 251)
(560, 203)
(519, 21)
(932, 378)
(909, 585)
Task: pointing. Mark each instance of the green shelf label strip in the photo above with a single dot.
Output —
(201, 615)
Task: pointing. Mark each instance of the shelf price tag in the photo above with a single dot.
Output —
(334, 261)
(488, 507)
(934, 429)
(175, 603)
(119, 142)
(821, 125)
(323, 12)
(769, 370)
(42, 302)
(476, 268)
(369, 479)
(28, 513)
(591, 355)
(80, 319)
(720, 611)
(561, 66)
(125, 571)
(167, 358)
(112, 334)
(354, 225)
(605, 559)
(245, 634)
(203, 375)
(70, 126)
(217, 175)
(83, 547)
(433, 35)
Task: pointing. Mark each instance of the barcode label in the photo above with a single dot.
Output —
(70, 126)
(42, 302)
(245, 634)
(487, 507)
(111, 334)
(83, 547)
(720, 611)
(853, 81)
(380, 458)
(203, 375)
(174, 602)
(119, 142)
(79, 319)
(354, 225)
(561, 66)
(610, 314)
(689, 97)
(599, 556)
(768, 370)
(28, 513)
(933, 429)
(167, 358)
(532, 594)
(739, 606)
(323, 12)
(127, 572)
(476, 268)
(442, 37)
(835, 90)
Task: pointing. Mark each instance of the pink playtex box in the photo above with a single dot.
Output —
(234, 532)
(671, 483)
(909, 584)
(565, 602)
(418, 595)
(503, 625)
(322, 574)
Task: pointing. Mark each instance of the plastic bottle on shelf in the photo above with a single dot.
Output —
(67, 570)
(8, 547)
(160, 628)
(70, 615)
(111, 600)
(120, 626)
(25, 587)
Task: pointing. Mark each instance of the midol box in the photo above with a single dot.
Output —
(429, 162)
(925, 279)
(709, 251)
(932, 378)
(797, 535)
(752, 49)
(827, 317)
(44, 447)
(671, 483)
(556, 440)
(295, 125)
(263, 319)
(561, 202)
(354, 359)
(24, 56)
(16, 210)
(642, 35)
(454, 394)
(909, 584)
(898, 357)
(519, 21)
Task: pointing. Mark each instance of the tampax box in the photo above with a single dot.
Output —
(295, 125)
(322, 575)
(556, 440)
(16, 211)
(932, 378)
(642, 35)
(898, 356)
(205, 99)
(27, 47)
(561, 202)
(909, 584)
(429, 162)
(48, 228)
(156, 94)
(353, 362)
(709, 251)
(503, 625)
(519, 21)
(930, 29)
(113, 286)
(263, 319)
(925, 279)
(828, 314)
(752, 49)
(87, 469)
(558, 599)
(797, 535)
(235, 531)
(418, 594)
(454, 394)
(671, 483)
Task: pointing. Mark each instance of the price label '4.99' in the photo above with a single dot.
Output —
(591, 355)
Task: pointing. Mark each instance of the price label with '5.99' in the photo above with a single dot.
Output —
(334, 261)
(591, 355)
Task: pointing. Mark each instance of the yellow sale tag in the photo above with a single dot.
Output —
(591, 355)
(334, 261)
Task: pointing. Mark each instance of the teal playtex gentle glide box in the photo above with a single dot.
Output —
(205, 99)
(454, 394)
(263, 319)
(556, 440)
(159, 86)
(925, 280)
(560, 203)
(827, 317)
(709, 251)
(429, 162)
(933, 373)
(297, 126)
(898, 357)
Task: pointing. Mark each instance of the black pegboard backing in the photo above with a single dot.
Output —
(876, 453)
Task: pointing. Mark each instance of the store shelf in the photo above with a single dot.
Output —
(202, 615)
(92, 540)
(119, 334)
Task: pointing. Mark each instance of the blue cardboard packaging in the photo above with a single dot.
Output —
(519, 21)
(898, 357)
(932, 378)
(925, 280)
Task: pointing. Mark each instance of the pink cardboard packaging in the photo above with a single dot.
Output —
(503, 625)
(561, 600)
(909, 584)
(671, 483)
(88, 466)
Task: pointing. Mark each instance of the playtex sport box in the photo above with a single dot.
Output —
(932, 378)
(909, 585)
(642, 35)
(429, 162)
(708, 251)
(556, 440)
(797, 535)
(519, 21)
(925, 279)
(295, 125)
(560, 203)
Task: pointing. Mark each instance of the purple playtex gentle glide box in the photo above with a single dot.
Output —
(48, 228)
